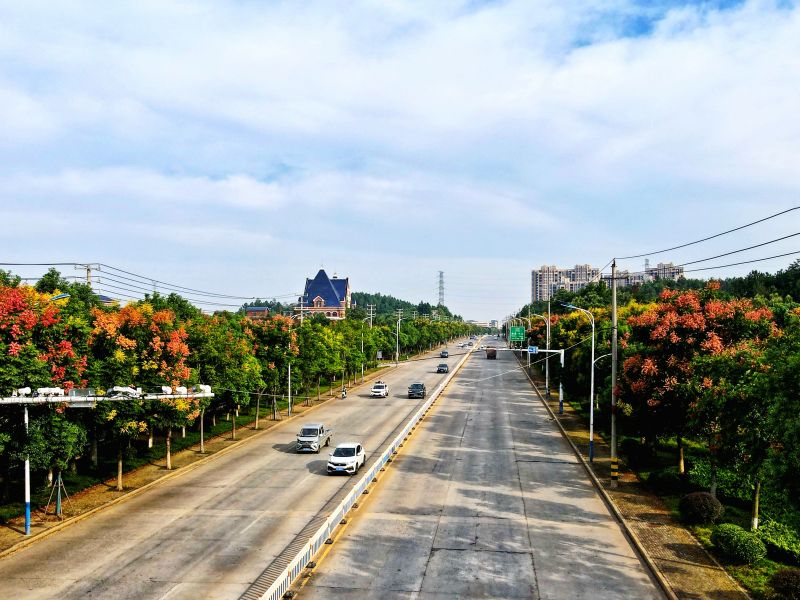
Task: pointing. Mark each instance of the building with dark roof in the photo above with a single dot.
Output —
(326, 296)
(257, 313)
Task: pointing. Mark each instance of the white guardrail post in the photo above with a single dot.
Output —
(281, 585)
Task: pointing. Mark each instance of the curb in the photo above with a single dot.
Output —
(24, 543)
(632, 537)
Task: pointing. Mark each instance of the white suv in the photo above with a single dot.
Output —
(346, 458)
(379, 390)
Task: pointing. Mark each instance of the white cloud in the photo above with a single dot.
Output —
(522, 120)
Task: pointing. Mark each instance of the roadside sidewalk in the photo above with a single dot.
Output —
(688, 568)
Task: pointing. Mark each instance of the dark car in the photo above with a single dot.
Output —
(442, 368)
(444, 354)
(417, 390)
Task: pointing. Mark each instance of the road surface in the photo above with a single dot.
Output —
(486, 500)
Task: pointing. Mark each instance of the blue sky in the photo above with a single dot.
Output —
(238, 146)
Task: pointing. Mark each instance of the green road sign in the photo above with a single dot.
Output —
(516, 333)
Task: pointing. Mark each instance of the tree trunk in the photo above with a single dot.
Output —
(233, 428)
(150, 439)
(712, 488)
(258, 405)
(213, 419)
(119, 467)
(681, 461)
(94, 450)
(756, 499)
(169, 448)
(183, 431)
(50, 477)
(319, 379)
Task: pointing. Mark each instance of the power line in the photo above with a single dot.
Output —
(740, 250)
(746, 262)
(174, 286)
(711, 237)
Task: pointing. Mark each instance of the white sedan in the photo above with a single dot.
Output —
(346, 458)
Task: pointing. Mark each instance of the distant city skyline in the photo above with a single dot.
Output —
(236, 147)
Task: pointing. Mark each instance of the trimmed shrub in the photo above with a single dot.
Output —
(700, 507)
(636, 454)
(782, 542)
(667, 481)
(786, 584)
(737, 544)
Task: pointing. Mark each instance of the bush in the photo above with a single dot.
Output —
(730, 485)
(738, 544)
(782, 542)
(700, 507)
(636, 454)
(786, 584)
(667, 481)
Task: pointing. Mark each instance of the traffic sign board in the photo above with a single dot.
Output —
(533, 349)
(516, 333)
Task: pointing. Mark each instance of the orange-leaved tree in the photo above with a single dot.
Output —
(663, 341)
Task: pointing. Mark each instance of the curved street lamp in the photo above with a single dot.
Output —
(591, 384)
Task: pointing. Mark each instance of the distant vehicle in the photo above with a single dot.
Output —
(442, 368)
(469, 343)
(379, 390)
(417, 390)
(312, 437)
(346, 458)
(491, 352)
(444, 354)
(473, 337)
(483, 346)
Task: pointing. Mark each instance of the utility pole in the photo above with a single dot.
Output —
(371, 310)
(614, 358)
(441, 288)
(88, 268)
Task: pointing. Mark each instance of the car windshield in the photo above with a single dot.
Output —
(417, 386)
(379, 386)
(309, 431)
(344, 452)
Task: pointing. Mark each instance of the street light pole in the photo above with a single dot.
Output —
(27, 478)
(397, 335)
(547, 358)
(614, 360)
(591, 384)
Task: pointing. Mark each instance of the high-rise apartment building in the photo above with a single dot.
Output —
(660, 271)
(550, 278)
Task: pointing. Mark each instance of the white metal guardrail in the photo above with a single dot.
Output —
(282, 584)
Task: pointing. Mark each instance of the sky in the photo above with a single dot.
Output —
(237, 147)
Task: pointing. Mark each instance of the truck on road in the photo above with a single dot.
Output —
(312, 437)
(491, 352)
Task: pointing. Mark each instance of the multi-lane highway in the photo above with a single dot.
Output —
(486, 500)
(212, 532)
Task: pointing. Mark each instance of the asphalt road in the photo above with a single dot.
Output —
(486, 500)
(212, 532)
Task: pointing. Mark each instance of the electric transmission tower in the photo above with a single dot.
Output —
(441, 288)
